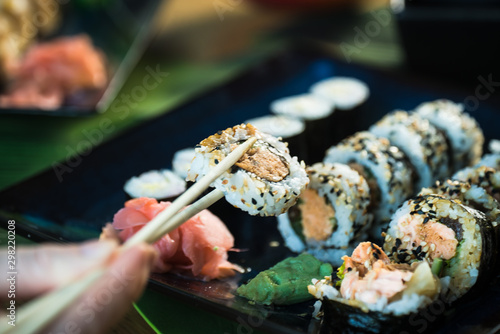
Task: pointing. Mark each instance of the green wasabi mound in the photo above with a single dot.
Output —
(286, 282)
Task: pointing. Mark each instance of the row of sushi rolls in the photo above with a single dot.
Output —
(392, 219)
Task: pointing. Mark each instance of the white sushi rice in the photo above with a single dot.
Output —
(182, 161)
(494, 146)
(386, 163)
(490, 160)
(468, 194)
(484, 177)
(304, 106)
(423, 144)
(292, 240)
(278, 125)
(246, 190)
(160, 184)
(344, 92)
(465, 136)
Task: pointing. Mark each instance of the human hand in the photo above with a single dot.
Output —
(41, 269)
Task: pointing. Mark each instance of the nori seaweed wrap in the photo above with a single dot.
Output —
(447, 234)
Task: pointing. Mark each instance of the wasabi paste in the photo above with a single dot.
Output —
(286, 282)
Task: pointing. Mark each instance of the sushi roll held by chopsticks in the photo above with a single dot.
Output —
(265, 181)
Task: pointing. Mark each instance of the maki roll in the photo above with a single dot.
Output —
(424, 145)
(484, 177)
(458, 241)
(372, 294)
(289, 129)
(464, 134)
(182, 160)
(266, 180)
(491, 160)
(316, 112)
(308, 107)
(330, 213)
(384, 166)
(158, 184)
(344, 92)
(349, 96)
(469, 195)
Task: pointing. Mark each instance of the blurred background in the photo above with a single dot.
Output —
(186, 48)
(199, 44)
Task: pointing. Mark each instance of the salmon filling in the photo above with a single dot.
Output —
(418, 233)
(263, 163)
(318, 217)
(369, 275)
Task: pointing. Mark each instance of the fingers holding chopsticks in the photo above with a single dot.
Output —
(45, 268)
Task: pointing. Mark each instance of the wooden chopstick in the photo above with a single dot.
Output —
(182, 216)
(148, 232)
(40, 312)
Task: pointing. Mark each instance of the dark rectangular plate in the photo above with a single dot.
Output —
(76, 207)
(121, 29)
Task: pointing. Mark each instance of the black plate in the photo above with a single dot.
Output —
(76, 206)
(121, 29)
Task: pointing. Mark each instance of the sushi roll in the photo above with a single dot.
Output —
(330, 213)
(469, 195)
(456, 240)
(344, 92)
(372, 294)
(491, 160)
(349, 96)
(304, 106)
(182, 160)
(266, 180)
(464, 134)
(316, 112)
(384, 166)
(484, 177)
(289, 129)
(424, 145)
(158, 184)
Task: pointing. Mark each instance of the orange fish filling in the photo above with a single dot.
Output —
(431, 232)
(317, 216)
(264, 164)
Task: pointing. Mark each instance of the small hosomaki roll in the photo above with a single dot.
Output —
(464, 134)
(182, 160)
(423, 144)
(289, 129)
(491, 160)
(349, 96)
(158, 184)
(469, 195)
(316, 114)
(484, 177)
(385, 167)
(329, 215)
(457, 240)
(372, 294)
(265, 181)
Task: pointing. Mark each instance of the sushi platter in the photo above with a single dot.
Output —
(76, 209)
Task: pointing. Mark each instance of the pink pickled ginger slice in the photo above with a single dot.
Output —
(199, 246)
